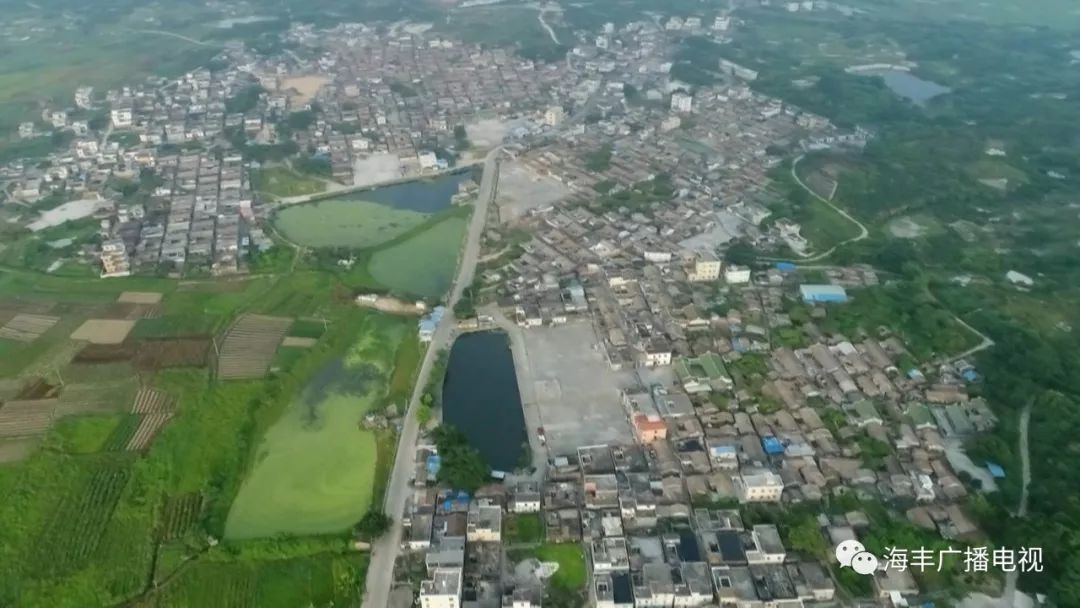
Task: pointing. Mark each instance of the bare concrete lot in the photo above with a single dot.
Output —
(521, 190)
(568, 383)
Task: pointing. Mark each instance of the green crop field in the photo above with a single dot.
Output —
(319, 580)
(315, 467)
(423, 264)
(341, 222)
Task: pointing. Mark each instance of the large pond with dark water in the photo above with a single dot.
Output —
(481, 398)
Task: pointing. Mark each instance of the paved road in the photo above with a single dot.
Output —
(863, 232)
(527, 388)
(380, 575)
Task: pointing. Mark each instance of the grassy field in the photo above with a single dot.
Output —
(283, 181)
(571, 560)
(523, 528)
(317, 580)
(315, 467)
(340, 222)
(424, 264)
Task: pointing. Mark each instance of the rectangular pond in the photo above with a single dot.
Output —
(481, 398)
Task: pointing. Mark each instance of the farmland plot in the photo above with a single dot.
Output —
(76, 526)
(176, 352)
(140, 297)
(24, 418)
(105, 353)
(97, 398)
(152, 401)
(103, 331)
(122, 434)
(27, 327)
(131, 312)
(149, 426)
(154, 409)
(249, 346)
(180, 515)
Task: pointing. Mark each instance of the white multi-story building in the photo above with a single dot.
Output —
(84, 97)
(704, 270)
(553, 116)
(121, 117)
(737, 275)
(442, 590)
(758, 486)
(682, 103)
(114, 259)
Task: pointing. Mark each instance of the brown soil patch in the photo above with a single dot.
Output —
(140, 297)
(104, 331)
(37, 388)
(105, 353)
(172, 352)
(302, 89)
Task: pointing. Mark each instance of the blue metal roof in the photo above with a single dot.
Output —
(772, 445)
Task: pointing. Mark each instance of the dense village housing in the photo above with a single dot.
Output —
(711, 389)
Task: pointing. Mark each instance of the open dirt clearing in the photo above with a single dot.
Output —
(103, 331)
(140, 297)
(27, 327)
(68, 212)
(522, 189)
(376, 169)
(249, 346)
(302, 89)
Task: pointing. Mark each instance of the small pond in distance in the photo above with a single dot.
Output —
(907, 85)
